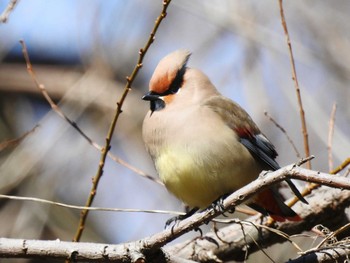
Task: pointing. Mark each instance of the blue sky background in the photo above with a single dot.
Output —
(239, 44)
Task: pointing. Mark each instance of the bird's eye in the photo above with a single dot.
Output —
(174, 89)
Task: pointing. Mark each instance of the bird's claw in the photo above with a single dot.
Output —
(174, 220)
(218, 205)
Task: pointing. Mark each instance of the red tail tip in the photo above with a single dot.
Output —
(289, 218)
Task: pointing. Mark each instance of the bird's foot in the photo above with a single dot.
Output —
(218, 205)
(176, 219)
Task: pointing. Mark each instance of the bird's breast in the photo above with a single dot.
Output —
(198, 162)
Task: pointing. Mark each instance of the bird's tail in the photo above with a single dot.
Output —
(270, 202)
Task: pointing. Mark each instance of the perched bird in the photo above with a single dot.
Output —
(204, 145)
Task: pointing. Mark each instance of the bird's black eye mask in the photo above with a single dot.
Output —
(177, 82)
(156, 102)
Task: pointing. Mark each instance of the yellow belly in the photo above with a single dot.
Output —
(199, 177)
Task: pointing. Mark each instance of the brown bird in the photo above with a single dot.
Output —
(204, 145)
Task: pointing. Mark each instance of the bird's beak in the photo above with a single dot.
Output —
(155, 100)
(150, 96)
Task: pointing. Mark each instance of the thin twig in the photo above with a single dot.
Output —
(296, 84)
(215, 230)
(91, 208)
(60, 113)
(260, 247)
(333, 234)
(104, 209)
(276, 231)
(304, 160)
(245, 240)
(341, 167)
(6, 13)
(256, 225)
(285, 133)
(14, 142)
(347, 173)
(246, 211)
(313, 186)
(117, 113)
(330, 136)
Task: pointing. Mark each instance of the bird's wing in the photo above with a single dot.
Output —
(249, 134)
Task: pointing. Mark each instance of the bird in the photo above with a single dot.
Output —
(205, 146)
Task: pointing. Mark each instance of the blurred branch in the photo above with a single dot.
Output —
(106, 209)
(341, 166)
(284, 132)
(42, 89)
(14, 142)
(90, 208)
(59, 78)
(60, 113)
(231, 244)
(117, 113)
(296, 84)
(6, 13)
(330, 137)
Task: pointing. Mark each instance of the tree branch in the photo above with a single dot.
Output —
(330, 137)
(55, 107)
(296, 84)
(118, 111)
(231, 243)
(6, 13)
(228, 243)
(337, 253)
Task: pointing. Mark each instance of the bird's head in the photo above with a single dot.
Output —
(167, 79)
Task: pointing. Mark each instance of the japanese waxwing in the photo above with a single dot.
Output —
(204, 145)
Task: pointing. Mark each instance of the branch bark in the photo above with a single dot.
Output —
(339, 253)
(229, 243)
(6, 13)
(233, 243)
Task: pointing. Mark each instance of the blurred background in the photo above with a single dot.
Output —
(82, 51)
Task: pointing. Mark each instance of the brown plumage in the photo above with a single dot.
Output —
(203, 144)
